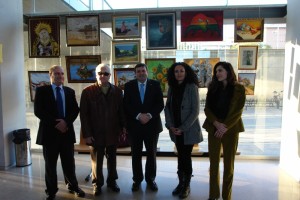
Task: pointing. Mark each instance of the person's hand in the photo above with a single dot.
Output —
(144, 118)
(89, 141)
(220, 126)
(61, 126)
(219, 134)
(178, 131)
(173, 129)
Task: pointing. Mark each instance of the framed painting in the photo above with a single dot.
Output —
(81, 69)
(203, 68)
(83, 30)
(43, 37)
(248, 30)
(126, 52)
(37, 79)
(161, 31)
(201, 26)
(157, 70)
(248, 81)
(247, 57)
(126, 26)
(123, 75)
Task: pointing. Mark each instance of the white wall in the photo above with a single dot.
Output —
(12, 94)
(290, 145)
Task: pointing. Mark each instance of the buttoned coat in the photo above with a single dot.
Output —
(102, 115)
(153, 104)
(45, 109)
(190, 124)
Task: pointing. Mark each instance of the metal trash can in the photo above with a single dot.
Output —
(22, 147)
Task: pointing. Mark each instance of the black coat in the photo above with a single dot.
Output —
(46, 110)
(153, 104)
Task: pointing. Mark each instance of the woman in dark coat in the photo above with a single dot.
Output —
(223, 109)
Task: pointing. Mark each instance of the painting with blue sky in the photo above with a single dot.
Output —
(126, 26)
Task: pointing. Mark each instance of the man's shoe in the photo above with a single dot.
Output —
(152, 185)
(77, 191)
(114, 187)
(97, 191)
(50, 196)
(135, 186)
(212, 199)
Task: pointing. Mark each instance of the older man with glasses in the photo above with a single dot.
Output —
(102, 120)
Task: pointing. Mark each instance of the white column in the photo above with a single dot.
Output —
(12, 87)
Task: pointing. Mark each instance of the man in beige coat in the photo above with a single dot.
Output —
(102, 120)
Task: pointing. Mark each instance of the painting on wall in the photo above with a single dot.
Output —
(37, 79)
(247, 57)
(83, 30)
(158, 69)
(81, 69)
(201, 26)
(126, 52)
(122, 76)
(248, 81)
(43, 37)
(203, 67)
(161, 31)
(126, 26)
(248, 30)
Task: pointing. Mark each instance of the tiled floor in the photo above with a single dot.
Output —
(254, 180)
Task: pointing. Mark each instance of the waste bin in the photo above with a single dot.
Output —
(22, 147)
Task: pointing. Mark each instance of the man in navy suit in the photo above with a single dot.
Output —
(143, 103)
(56, 107)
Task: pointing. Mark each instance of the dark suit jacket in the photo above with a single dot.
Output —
(46, 110)
(153, 104)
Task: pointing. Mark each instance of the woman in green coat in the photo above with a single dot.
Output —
(223, 109)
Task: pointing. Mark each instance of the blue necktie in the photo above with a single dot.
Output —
(59, 102)
(142, 92)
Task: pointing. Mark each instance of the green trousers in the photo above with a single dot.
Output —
(229, 142)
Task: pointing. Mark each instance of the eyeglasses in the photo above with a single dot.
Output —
(103, 73)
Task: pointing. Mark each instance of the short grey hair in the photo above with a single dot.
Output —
(102, 65)
(53, 67)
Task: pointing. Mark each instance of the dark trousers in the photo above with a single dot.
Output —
(150, 140)
(229, 142)
(184, 155)
(97, 156)
(65, 149)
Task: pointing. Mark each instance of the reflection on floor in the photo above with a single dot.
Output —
(254, 180)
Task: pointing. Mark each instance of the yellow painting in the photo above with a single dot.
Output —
(203, 68)
(249, 30)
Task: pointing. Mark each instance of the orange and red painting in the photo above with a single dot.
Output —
(202, 26)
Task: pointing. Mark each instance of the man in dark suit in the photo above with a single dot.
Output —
(56, 107)
(143, 103)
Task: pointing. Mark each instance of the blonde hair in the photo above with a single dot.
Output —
(42, 26)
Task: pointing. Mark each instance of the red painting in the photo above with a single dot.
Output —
(201, 26)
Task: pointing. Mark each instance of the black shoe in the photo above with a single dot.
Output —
(97, 191)
(152, 185)
(135, 186)
(50, 196)
(113, 186)
(77, 191)
(177, 190)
